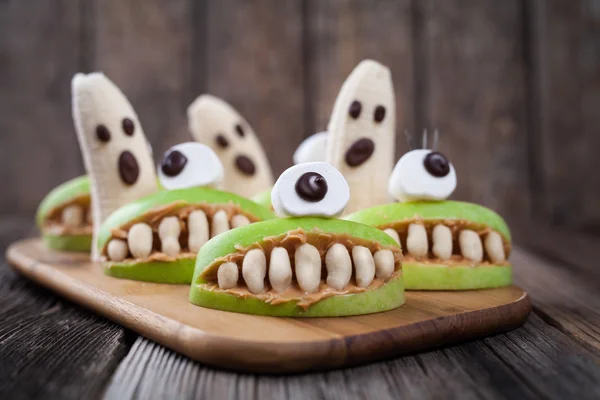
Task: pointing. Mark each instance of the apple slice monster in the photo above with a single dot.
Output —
(448, 245)
(362, 134)
(307, 265)
(156, 238)
(114, 148)
(64, 216)
(218, 125)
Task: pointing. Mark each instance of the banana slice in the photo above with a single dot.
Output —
(362, 134)
(113, 145)
(216, 124)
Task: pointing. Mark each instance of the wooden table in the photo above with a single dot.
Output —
(51, 348)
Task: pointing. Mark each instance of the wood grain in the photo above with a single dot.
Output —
(163, 313)
(146, 49)
(474, 66)
(502, 366)
(39, 53)
(254, 61)
(339, 35)
(49, 347)
(568, 88)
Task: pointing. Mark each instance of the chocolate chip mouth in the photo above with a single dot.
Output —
(129, 169)
(359, 152)
(245, 165)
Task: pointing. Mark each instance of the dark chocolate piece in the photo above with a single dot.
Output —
(128, 126)
(355, 109)
(359, 152)
(173, 163)
(245, 165)
(102, 133)
(312, 187)
(129, 168)
(436, 164)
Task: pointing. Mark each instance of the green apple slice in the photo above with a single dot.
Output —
(321, 232)
(432, 273)
(159, 267)
(55, 234)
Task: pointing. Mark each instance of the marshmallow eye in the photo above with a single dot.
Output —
(189, 165)
(422, 175)
(310, 189)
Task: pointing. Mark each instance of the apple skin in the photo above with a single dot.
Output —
(264, 199)
(386, 297)
(58, 196)
(181, 270)
(420, 276)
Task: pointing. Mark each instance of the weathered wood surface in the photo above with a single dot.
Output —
(271, 345)
(513, 86)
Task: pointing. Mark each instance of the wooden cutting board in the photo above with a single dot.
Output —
(267, 344)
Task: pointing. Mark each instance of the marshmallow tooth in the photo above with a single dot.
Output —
(362, 134)
(364, 265)
(220, 223)
(495, 248)
(308, 267)
(280, 270)
(198, 230)
(442, 242)
(470, 245)
(416, 241)
(218, 125)
(72, 216)
(339, 266)
(254, 269)
(169, 230)
(139, 239)
(113, 145)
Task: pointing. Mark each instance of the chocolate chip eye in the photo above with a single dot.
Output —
(436, 164)
(222, 141)
(128, 126)
(379, 114)
(240, 130)
(311, 186)
(355, 109)
(102, 133)
(173, 163)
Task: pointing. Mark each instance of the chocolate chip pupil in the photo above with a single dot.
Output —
(311, 186)
(173, 163)
(379, 114)
(102, 133)
(436, 164)
(355, 109)
(128, 126)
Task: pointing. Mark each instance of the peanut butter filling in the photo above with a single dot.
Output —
(290, 241)
(181, 210)
(455, 226)
(54, 225)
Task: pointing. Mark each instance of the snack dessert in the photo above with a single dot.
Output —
(156, 238)
(306, 265)
(65, 218)
(362, 134)
(216, 124)
(448, 245)
(114, 148)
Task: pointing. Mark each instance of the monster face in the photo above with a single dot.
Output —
(113, 145)
(448, 245)
(216, 124)
(157, 237)
(362, 134)
(305, 265)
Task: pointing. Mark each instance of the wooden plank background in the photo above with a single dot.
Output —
(513, 86)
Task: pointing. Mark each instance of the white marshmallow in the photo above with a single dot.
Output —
(203, 167)
(410, 180)
(312, 149)
(287, 202)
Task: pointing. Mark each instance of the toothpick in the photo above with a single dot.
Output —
(409, 139)
(424, 138)
(436, 138)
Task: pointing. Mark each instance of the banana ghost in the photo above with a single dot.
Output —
(114, 148)
(362, 134)
(218, 125)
